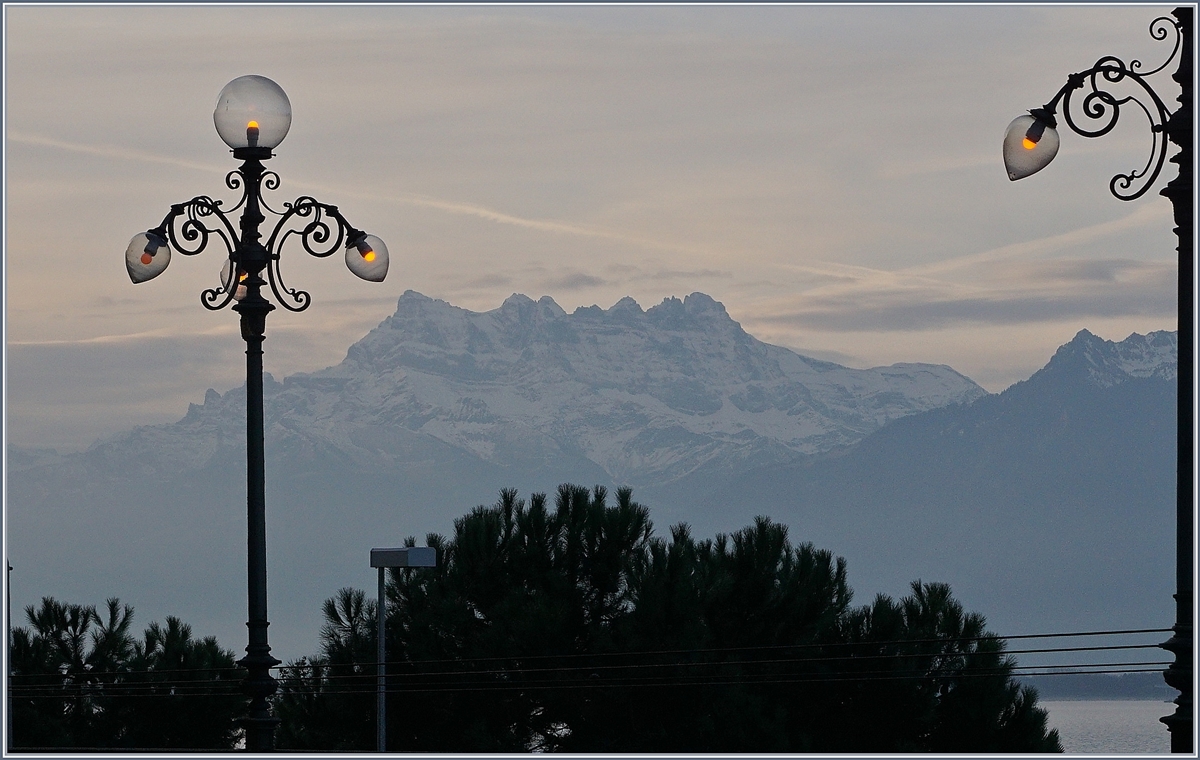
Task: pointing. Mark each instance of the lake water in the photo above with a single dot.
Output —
(1110, 726)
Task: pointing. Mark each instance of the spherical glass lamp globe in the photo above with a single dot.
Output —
(1029, 144)
(252, 112)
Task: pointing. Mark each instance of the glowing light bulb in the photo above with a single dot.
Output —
(364, 250)
(367, 257)
(252, 134)
(153, 243)
(1033, 135)
(147, 256)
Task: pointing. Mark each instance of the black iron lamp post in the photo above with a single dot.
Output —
(253, 116)
(1030, 144)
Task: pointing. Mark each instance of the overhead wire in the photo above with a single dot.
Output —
(97, 675)
(706, 650)
(152, 683)
(733, 680)
(149, 679)
(333, 681)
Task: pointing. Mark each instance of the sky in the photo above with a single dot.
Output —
(832, 174)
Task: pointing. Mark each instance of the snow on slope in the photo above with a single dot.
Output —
(644, 394)
(1107, 363)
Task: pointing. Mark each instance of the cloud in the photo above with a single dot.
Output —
(685, 274)
(574, 281)
(112, 151)
(1147, 215)
(896, 313)
(629, 272)
(140, 338)
(1086, 270)
(489, 281)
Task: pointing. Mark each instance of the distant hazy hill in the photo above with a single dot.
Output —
(1049, 507)
(1149, 686)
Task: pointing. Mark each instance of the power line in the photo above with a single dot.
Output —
(100, 675)
(94, 678)
(947, 639)
(679, 683)
(414, 682)
(734, 680)
(766, 647)
(684, 663)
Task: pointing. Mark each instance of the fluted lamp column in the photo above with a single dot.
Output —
(253, 116)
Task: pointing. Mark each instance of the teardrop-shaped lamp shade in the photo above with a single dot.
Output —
(144, 259)
(252, 112)
(1029, 144)
(227, 281)
(368, 258)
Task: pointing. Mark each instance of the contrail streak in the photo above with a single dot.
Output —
(450, 207)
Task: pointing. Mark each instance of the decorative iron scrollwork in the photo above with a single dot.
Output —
(320, 227)
(1098, 110)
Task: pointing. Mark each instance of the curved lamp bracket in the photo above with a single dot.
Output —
(320, 227)
(322, 231)
(1099, 108)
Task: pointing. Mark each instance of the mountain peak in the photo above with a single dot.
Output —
(701, 303)
(516, 301)
(1106, 363)
(625, 306)
(549, 306)
(411, 303)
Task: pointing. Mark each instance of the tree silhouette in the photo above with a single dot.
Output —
(328, 701)
(80, 680)
(576, 629)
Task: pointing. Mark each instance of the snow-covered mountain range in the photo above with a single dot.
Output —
(648, 395)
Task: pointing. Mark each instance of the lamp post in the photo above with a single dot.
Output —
(424, 556)
(8, 653)
(1030, 143)
(253, 116)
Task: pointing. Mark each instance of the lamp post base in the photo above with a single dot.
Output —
(259, 686)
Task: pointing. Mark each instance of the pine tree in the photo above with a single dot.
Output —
(576, 629)
(80, 680)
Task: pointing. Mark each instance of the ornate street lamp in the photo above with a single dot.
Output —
(252, 117)
(1030, 143)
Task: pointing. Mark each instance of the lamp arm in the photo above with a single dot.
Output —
(190, 236)
(319, 236)
(188, 226)
(1102, 108)
(323, 233)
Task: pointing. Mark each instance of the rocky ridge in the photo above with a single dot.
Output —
(644, 394)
